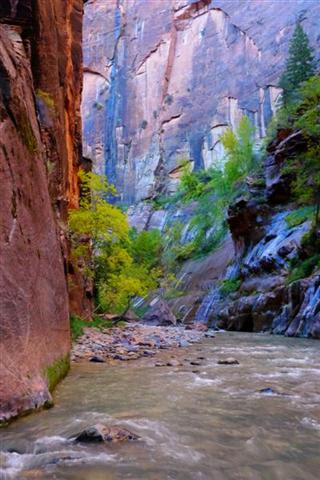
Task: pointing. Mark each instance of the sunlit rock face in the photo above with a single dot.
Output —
(163, 79)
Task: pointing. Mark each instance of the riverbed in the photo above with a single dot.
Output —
(258, 420)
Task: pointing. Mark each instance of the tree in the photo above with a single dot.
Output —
(306, 166)
(300, 65)
(125, 265)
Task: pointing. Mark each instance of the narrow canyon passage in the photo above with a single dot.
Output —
(257, 420)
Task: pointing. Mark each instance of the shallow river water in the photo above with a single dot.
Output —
(195, 422)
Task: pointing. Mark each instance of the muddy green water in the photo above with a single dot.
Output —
(207, 425)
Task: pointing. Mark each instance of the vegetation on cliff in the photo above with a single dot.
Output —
(210, 192)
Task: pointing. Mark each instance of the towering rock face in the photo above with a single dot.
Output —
(40, 152)
(164, 78)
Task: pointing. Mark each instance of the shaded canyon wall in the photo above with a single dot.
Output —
(40, 153)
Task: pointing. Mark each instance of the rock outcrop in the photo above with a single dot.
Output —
(40, 153)
(265, 244)
(164, 79)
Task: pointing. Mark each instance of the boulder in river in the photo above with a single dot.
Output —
(160, 315)
(97, 359)
(228, 361)
(104, 433)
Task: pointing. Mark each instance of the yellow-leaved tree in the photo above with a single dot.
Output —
(119, 270)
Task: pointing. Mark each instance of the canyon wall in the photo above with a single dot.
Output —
(164, 78)
(40, 153)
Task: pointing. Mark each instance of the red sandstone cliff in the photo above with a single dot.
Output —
(40, 153)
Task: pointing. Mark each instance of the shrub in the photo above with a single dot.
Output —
(230, 286)
(299, 216)
(304, 269)
(77, 324)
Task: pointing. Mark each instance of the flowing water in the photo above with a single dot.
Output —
(195, 422)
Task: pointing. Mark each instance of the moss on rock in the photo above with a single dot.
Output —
(57, 371)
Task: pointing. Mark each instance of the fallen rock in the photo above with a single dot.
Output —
(97, 359)
(103, 433)
(160, 315)
(228, 361)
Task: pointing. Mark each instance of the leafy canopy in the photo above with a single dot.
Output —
(125, 263)
(305, 167)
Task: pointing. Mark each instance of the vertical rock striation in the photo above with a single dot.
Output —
(40, 153)
(164, 78)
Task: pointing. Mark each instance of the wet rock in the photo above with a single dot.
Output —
(104, 433)
(173, 363)
(246, 219)
(160, 314)
(97, 359)
(123, 358)
(148, 353)
(209, 334)
(270, 391)
(228, 361)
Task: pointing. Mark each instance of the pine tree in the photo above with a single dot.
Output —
(300, 65)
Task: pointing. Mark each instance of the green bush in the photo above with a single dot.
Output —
(299, 216)
(230, 286)
(57, 371)
(77, 324)
(304, 268)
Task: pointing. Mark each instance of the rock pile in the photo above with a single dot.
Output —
(131, 342)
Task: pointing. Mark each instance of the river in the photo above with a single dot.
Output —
(207, 421)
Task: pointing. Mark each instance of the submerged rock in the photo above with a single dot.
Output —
(228, 361)
(270, 391)
(103, 433)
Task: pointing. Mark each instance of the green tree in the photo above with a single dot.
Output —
(300, 65)
(306, 166)
(125, 265)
